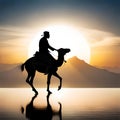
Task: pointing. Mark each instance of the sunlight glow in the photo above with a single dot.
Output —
(62, 36)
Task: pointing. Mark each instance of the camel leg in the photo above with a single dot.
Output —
(28, 77)
(56, 75)
(31, 82)
(48, 82)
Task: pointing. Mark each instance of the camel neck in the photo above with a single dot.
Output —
(60, 60)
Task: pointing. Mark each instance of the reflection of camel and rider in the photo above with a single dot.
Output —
(36, 113)
(44, 62)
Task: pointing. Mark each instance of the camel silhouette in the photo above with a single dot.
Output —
(46, 113)
(32, 65)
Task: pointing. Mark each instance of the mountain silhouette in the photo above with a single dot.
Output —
(75, 73)
(84, 75)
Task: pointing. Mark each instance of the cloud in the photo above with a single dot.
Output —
(100, 38)
(11, 36)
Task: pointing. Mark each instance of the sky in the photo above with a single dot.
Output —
(96, 20)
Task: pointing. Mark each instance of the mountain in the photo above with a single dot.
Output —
(85, 75)
(6, 67)
(11, 77)
(112, 69)
(75, 73)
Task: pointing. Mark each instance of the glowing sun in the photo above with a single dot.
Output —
(63, 37)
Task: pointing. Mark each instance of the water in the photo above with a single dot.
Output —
(66, 104)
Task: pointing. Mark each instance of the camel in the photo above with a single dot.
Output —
(32, 65)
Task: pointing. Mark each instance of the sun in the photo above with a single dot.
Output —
(62, 36)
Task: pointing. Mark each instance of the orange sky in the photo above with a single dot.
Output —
(20, 24)
(105, 56)
(102, 53)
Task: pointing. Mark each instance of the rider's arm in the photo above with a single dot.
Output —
(50, 47)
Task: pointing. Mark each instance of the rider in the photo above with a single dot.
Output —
(43, 48)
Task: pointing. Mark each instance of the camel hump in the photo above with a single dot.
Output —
(40, 57)
(44, 58)
(37, 55)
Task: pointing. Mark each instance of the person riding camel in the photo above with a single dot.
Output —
(44, 47)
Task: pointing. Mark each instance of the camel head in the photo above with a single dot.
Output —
(63, 51)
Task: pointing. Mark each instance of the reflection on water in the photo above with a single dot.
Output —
(67, 104)
(37, 113)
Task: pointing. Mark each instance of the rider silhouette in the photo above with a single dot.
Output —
(44, 49)
(44, 45)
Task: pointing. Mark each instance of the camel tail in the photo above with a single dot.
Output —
(22, 67)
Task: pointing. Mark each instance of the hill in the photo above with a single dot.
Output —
(75, 73)
(85, 75)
